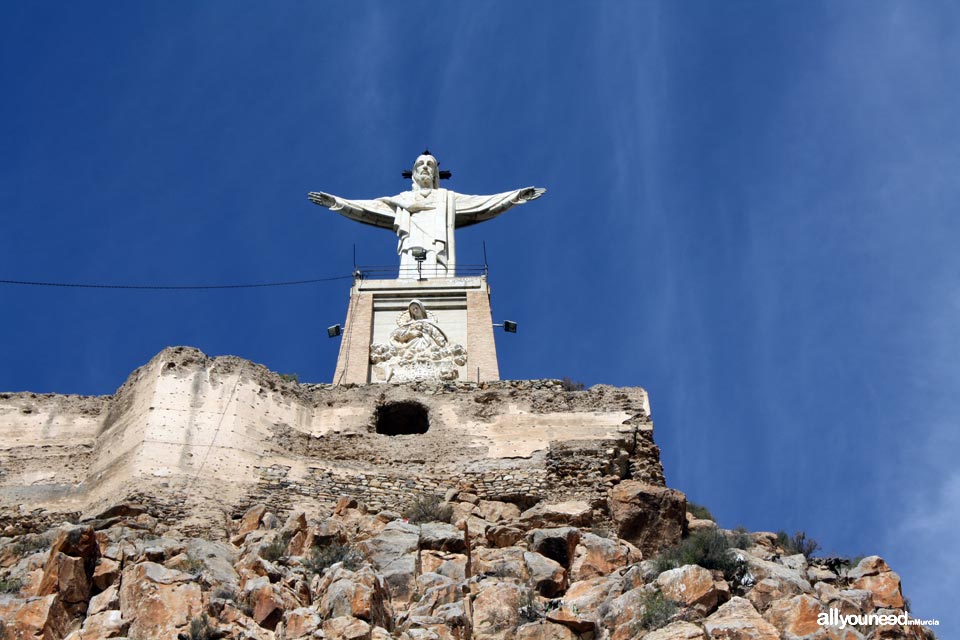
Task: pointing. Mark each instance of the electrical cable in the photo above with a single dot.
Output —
(171, 287)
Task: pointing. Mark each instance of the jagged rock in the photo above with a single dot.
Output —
(106, 624)
(679, 630)
(105, 573)
(43, 618)
(496, 611)
(248, 523)
(496, 511)
(451, 565)
(545, 631)
(548, 577)
(692, 586)
(649, 516)
(597, 556)
(360, 594)
(346, 628)
(860, 600)
(874, 575)
(588, 595)
(558, 544)
(300, 623)
(770, 589)
(622, 614)
(66, 575)
(738, 620)
(503, 535)
(104, 601)
(796, 618)
(435, 591)
(158, 601)
(268, 601)
(440, 536)
(393, 554)
(761, 569)
(218, 559)
(574, 513)
(579, 623)
(501, 563)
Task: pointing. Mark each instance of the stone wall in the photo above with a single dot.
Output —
(210, 436)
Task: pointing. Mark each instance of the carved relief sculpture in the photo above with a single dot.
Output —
(418, 350)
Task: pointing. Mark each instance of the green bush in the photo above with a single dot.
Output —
(200, 628)
(32, 543)
(276, 548)
(798, 543)
(571, 385)
(699, 511)
(708, 548)
(428, 508)
(10, 585)
(322, 557)
(657, 610)
(290, 377)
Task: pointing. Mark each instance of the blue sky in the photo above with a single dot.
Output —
(752, 213)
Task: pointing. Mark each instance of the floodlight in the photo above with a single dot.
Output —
(509, 326)
(334, 331)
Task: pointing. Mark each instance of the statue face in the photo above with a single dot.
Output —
(417, 311)
(425, 172)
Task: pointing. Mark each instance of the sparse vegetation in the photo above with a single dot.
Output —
(290, 377)
(225, 593)
(708, 548)
(428, 508)
(571, 385)
(322, 557)
(798, 543)
(740, 539)
(657, 610)
(10, 585)
(193, 566)
(530, 609)
(276, 548)
(32, 543)
(200, 628)
(699, 511)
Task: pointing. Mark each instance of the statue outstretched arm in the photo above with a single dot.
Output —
(372, 212)
(474, 209)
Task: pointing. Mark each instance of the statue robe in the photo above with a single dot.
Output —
(427, 218)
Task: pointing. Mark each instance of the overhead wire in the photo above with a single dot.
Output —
(172, 287)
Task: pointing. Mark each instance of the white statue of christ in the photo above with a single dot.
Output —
(425, 217)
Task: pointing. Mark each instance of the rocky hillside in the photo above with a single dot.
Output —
(458, 568)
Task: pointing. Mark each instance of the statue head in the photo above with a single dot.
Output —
(416, 310)
(426, 174)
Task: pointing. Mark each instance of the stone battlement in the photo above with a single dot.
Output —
(205, 435)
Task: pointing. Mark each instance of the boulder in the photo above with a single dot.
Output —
(158, 601)
(547, 576)
(574, 513)
(66, 575)
(359, 594)
(301, 623)
(439, 536)
(496, 511)
(558, 544)
(43, 618)
(346, 628)
(738, 620)
(597, 556)
(649, 516)
(770, 589)
(105, 573)
(104, 601)
(106, 624)
(692, 586)
(679, 630)
(796, 618)
(874, 575)
(249, 522)
(761, 569)
(393, 554)
(506, 563)
(451, 565)
(545, 631)
(503, 535)
(496, 611)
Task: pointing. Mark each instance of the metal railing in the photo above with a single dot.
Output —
(380, 272)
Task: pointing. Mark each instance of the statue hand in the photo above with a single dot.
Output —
(531, 193)
(322, 199)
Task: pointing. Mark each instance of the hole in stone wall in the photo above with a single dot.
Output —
(400, 418)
